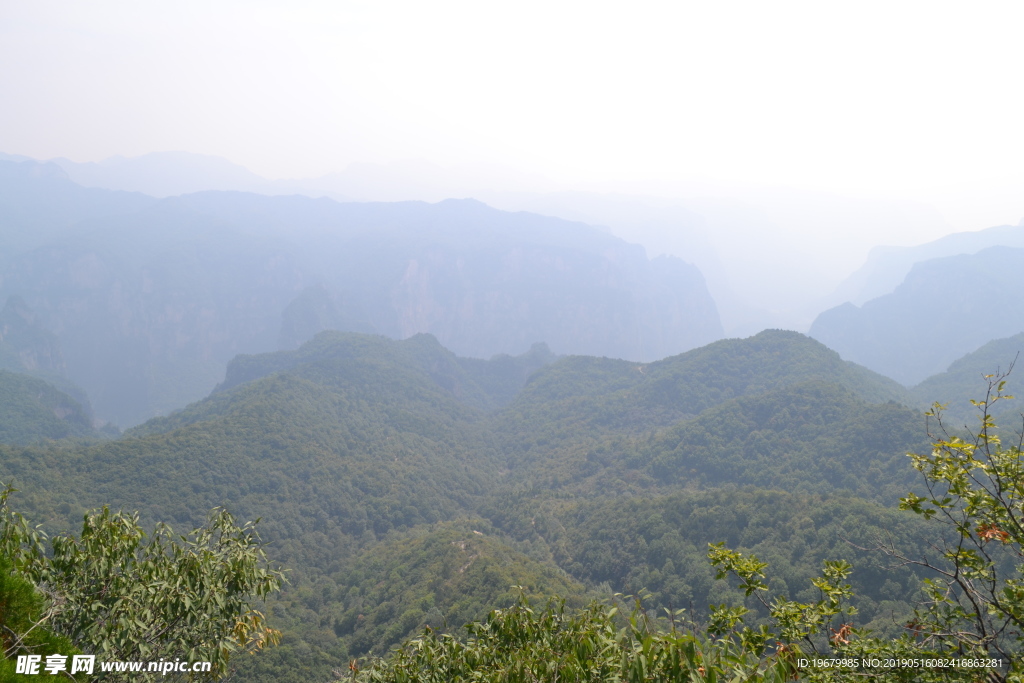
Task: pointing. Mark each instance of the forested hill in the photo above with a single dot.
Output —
(376, 464)
(962, 382)
(570, 409)
(641, 395)
(482, 383)
(32, 410)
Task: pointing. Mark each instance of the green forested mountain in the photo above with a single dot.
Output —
(483, 384)
(583, 419)
(621, 395)
(349, 440)
(32, 410)
(401, 485)
(812, 436)
(963, 381)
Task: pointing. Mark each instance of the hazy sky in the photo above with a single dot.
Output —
(881, 98)
(842, 124)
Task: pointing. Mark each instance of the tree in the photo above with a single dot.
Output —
(113, 593)
(975, 486)
(820, 636)
(524, 644)
(24, 617)
(974, 603)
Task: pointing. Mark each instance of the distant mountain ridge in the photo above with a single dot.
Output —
(945, 308)
(166, 174)
(886, 267)
(25, 345)
(40, 204)
(757, 248)
(150, 299)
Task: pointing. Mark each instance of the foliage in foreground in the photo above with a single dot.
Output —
(975, 487)
(804, 641)
(523, 644)
(24, 613)
(112, 594)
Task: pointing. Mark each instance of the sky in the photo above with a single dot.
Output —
(875, 97)
(910, 102)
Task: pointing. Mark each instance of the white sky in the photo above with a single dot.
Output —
(910, 101)
(868, 97)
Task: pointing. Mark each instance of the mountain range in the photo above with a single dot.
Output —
(146, 299)
(887, 267)
(760, 250)
(403, 485)
(944, 308)
(434, 408)
(149, 299)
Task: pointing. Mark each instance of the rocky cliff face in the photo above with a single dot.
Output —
(25, 345)
(614, 303)
(28, 348)
(485, 282)
(151, 307)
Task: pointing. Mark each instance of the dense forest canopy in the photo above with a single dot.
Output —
(402, 486)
